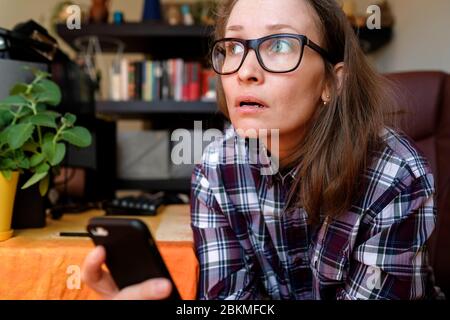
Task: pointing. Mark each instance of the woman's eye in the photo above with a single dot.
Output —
(281, 46)
(234, 49)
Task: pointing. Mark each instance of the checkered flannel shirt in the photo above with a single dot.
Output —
(250, 247)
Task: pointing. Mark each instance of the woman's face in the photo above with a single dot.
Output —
(289, 99)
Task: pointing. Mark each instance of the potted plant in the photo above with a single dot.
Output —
(33, 140)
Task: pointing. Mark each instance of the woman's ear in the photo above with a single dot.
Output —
(338, 70)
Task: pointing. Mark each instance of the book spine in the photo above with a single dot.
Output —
(114, 88)
(172, 79)
(157, 80)
(194, 84)
(186, 67)
(138, 80)
(144, 80)
(124, 79)
(165, 81)
(131, 81)
(179, 80)
(151, 80)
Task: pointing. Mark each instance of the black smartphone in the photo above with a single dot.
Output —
(131, 253)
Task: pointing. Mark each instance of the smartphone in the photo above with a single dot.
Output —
(131, 253)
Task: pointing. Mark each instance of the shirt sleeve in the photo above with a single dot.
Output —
(393, 262)
(225, 273)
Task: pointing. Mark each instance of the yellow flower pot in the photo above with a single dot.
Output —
(7, 195)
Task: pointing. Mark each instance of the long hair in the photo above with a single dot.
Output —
(342, 136)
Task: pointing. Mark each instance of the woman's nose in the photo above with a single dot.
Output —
(251, 70)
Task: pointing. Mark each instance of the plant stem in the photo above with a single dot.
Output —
(16, 115)
(58, 133)
(39, 135)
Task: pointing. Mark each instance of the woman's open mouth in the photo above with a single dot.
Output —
(250, 104)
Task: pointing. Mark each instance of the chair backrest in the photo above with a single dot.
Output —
(425, 96)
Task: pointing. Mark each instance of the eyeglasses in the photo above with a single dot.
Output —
(277, 53)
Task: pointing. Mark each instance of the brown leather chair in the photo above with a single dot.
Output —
(425, 96)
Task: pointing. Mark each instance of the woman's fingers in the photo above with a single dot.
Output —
(101, 281)
(94, 275)
(153, 289)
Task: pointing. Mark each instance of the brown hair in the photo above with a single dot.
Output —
(342, 135)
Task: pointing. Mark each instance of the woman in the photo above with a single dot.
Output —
(348, 214)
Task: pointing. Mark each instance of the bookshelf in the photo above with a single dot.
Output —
(161, 42)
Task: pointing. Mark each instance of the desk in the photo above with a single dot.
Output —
(39, 264)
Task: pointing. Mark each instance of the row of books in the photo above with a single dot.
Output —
(151, 80)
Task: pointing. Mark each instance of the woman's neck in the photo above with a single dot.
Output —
(287, 147)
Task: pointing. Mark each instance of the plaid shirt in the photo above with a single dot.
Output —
(249, 247)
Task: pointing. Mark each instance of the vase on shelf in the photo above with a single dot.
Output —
(99, 11)
(152, 10)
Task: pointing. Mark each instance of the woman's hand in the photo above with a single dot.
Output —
(101, 281)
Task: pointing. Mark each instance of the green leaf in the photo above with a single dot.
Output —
(48, 147)
(50, 113)
(60, 152)
(19, 134)
(47, 91)
(43, 120)
(41, 107)
(54, 152)
(5, 118)
(39, 73)
(24, 112)
(19, 88)
(34, 179)
(43, 186)
(24, 163)
(30, 146)
(69, 119)
(3, 139)
(36, 159)
(8, 164)
(7, 174)
(43, 167)
(15, 100)
(78, 136)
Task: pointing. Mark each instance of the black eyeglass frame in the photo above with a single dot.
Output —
(255, 44)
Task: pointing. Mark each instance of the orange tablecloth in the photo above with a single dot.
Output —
(39, 264)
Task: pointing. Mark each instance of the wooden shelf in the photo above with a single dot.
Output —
(163, 41)
(143, 108)
(156, 39)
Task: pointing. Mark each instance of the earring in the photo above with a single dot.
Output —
(326, 102)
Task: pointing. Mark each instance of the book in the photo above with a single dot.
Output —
(157, 75)
(131, 81)
(186, 77)
(165, 81)
(194, 82)
(179, 67)
(114, 76)
(138, 80)
(124, 79)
